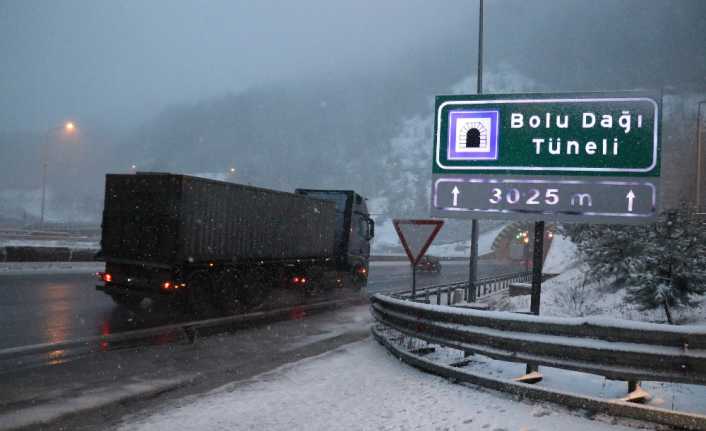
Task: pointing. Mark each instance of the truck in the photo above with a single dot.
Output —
(219, 247)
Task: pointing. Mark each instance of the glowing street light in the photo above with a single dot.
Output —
(230, 174)
(69, 128)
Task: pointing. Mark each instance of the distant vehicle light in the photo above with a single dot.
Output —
(303, 280)
(107, 277)
(167, 285)
(295, 280)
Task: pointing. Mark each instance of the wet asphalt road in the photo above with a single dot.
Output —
(41, 308)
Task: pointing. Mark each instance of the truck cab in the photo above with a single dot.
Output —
(354, 229)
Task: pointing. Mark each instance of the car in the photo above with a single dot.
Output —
(429, 263)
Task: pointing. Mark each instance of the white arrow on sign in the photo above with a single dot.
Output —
(631, 197)
(455, 192)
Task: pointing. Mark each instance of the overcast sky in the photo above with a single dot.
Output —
(117, 61)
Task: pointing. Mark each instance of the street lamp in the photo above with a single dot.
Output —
(69, 128)
(230, 174)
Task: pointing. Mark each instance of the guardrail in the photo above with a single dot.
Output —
(614, 349)
(484, 287)
(617, 350)
(455, 372)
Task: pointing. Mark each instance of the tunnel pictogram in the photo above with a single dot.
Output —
(473, 138)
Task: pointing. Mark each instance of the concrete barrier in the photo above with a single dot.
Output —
(46, 254)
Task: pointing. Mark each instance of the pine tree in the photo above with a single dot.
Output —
(607, 249)
(663, 264)
(671, 270)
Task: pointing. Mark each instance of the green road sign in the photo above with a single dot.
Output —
(576, 157)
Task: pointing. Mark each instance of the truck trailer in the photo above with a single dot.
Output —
(221, 248)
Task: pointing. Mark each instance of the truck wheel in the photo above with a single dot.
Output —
(201, 293)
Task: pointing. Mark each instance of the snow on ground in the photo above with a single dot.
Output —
(27, 268)
(675, 396)
(359, 387)
(562, 255)
(386, 239)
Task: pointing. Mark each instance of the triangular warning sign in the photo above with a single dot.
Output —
(416, 236)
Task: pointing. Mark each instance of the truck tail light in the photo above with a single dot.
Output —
(104, 276)
(170, 285)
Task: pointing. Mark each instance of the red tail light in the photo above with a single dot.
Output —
(298, 280)
(167, 285)
(105, 276)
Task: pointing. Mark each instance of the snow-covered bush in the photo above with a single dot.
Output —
(578, 297)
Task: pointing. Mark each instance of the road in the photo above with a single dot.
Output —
(41, 307)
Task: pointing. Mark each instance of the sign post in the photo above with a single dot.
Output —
(470, 294)
(537, 263)
(416, 237)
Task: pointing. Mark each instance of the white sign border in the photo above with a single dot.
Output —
(540, 168)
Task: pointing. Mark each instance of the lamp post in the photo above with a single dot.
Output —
(69, 128)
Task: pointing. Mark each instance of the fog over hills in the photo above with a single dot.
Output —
(355, 111)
